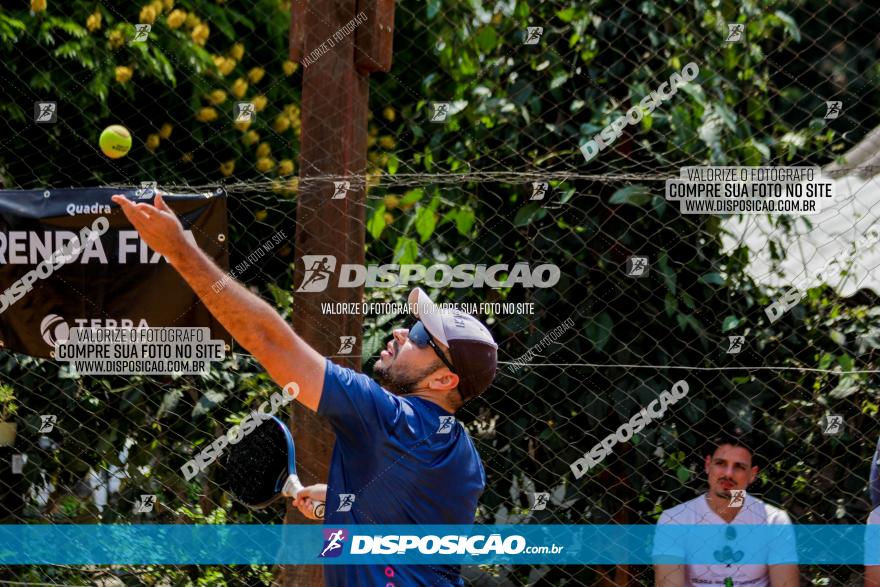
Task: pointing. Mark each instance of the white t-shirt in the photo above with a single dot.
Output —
(753, 511)
(872, 539)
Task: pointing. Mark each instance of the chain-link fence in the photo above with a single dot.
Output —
(479, 153)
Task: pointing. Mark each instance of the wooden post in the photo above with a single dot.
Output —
(336, 62)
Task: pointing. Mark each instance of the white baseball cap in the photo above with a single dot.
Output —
(473, 350)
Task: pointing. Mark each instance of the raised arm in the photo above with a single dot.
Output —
(250, 320)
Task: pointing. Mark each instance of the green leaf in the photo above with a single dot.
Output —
(426, 221)
(848, 386)
(712, 279)
(464, 220)
(565, 15)
(659, 204)
(683, 474)
(411, 197)
(837, 337)
(528, 214)
(730, 322)
(406, 252)
(393, 163)
(433, 8)
(634, 195)
(790, 25)
(599, 329)
(376, 224)
(669, 276)
(486, 39)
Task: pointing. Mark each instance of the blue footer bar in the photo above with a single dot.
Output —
(444, 544)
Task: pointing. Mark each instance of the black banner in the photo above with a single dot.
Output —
(69, 257)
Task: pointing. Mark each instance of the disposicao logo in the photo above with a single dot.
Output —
(320, 268)
(333, 542)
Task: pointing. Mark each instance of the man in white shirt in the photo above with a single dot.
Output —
(730, 471)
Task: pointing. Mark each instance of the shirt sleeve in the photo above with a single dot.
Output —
(669, 546)
(356, 406)
(783, 550)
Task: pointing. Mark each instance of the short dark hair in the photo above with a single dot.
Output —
(732, 438)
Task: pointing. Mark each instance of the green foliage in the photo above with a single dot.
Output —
(8, 405)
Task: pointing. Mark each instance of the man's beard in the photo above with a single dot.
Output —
(400, 383)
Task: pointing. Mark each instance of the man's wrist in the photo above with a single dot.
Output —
(186, 245)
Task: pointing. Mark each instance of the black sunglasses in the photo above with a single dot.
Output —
(420, 337)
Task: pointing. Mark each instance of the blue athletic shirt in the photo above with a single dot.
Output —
(389, 454)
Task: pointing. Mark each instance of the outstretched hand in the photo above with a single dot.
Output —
(157, 225)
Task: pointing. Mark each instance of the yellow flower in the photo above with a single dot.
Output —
(373, 178)
(387, 142)
(389, 114)
(192, 21)
(217, 97)
(496, 19)
(93, 22)
(227, 168)
(237, 51)
(389, 218)
(152, 142)
(123, 74)
(157, 6)
(148, 15)
(239, 88)
(265, 164)
(259, 103)
(169, 4)
(200, 34)
(285, 167)
(116, 39)
(38, 5)
(391, 202)
(264, 150)
(251, 137)
(281, 124)
(373, 131)
(261, 215)
(165, 131)
(176, 18)
(256, 74)
(243, 125)
(187, 157)
(371, 141)
(289, 67)
(206, 115)
(226, 66)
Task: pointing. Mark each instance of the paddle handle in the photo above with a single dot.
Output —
(293, 486)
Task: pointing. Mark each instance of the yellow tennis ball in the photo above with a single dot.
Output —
(115, 141)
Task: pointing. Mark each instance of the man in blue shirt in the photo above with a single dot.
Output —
(400, 457)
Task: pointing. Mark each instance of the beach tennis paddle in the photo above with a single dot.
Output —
(261, 467)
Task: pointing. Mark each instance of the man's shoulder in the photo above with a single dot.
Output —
(683, 513)
(772, 514)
